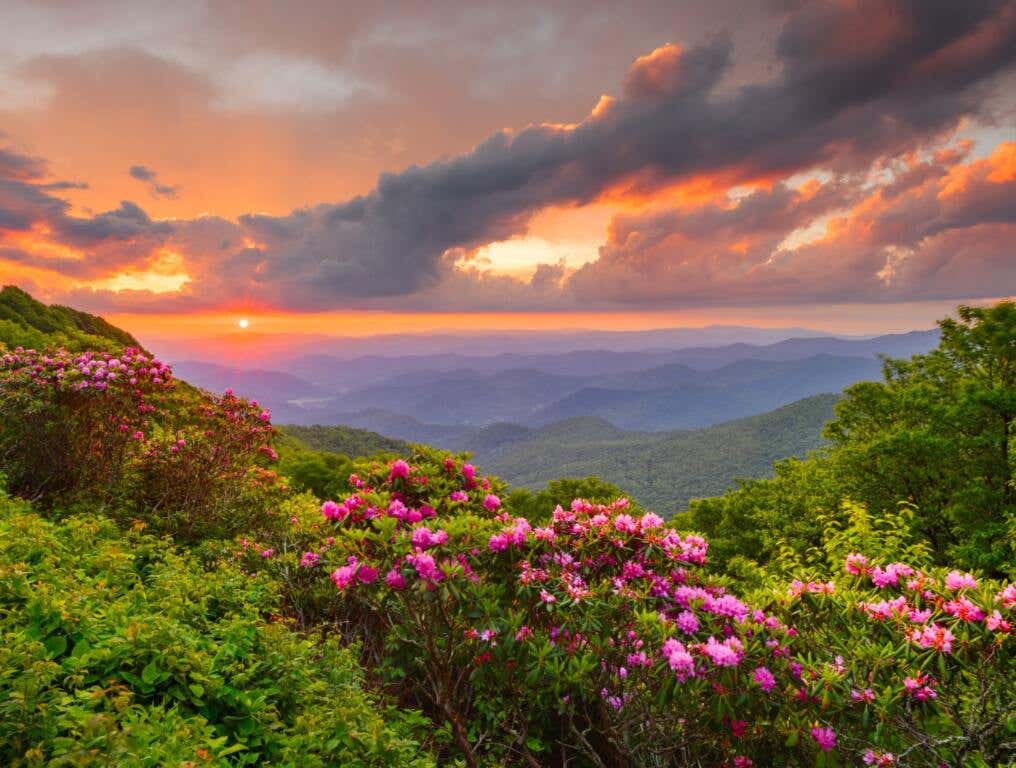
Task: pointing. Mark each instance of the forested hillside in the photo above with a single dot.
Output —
(173, 593)
(661, 470)
(29, 323)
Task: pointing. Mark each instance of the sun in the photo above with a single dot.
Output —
(243, 323)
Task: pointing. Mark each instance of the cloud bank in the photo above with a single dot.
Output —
(837, 179)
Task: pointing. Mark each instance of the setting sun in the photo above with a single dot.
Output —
(243, 323)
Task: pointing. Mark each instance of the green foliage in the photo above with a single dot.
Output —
(936, 434)
(347, 441)
(27, 323)
(665, 470)
(117, 650)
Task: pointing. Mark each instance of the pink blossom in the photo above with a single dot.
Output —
(687, 622)
(426, 566)
(866, 695)
(955, 580)
(547, 597)
(333, 511)
(491, 502)
(678, 659)
(625, 524)
(395, 579)
(856, 564)
(459, 496)
(309, 559)
(933, 636)
(344, 575)
(650, 521)
(824, 737)
(423, 538)
(1007, 597)
(764, 678)
(544, 534)
(267, 553)
(996, 623)
(871, 757)
(523, 633)
(740, 761)
(920, 687)
(962, 608)
(399, 468)
(725, 654)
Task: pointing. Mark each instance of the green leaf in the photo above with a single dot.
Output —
(55, 645)
(150, 673)
(81, 647)
(197, 689)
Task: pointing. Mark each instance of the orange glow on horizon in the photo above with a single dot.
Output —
(840, 318)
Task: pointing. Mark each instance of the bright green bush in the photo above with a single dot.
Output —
(115, 649)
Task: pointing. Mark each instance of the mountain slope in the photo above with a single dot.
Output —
(27, 322)
(665, 470)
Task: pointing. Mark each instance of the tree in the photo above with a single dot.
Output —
(937, 433)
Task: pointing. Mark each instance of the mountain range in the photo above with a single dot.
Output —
(414, 397)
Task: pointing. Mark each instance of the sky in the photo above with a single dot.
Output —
(353, 167)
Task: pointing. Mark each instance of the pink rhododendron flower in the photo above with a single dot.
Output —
(459, 496)
(725, 654)
(547, 597)
(333, 511)
(650, 522)
(856, 564)
(1007, 597)
(687, 622)
(491, 502)
(423, 538)
(678, 659)
(764, 678)
(309, 559)
(740, 761)
(523, 633)
(920, 687)
(268, 553)
(866, 695)
(962, 608)
(955, 580)
(395, 580)
(996, 623)
(824, 737)
(871, 757)
(399, 468)
(425, 566)
(344, 575)
(933, 636)
(625, 524)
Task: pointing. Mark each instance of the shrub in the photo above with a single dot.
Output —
(117, 650)
(117, 432)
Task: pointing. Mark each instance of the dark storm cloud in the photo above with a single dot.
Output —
(858, 81)
(855, 82)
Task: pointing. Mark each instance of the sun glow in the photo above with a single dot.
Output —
(243, 323)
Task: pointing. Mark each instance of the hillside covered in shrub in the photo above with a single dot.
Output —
(172, 593)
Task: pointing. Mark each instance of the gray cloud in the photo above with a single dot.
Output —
(854, 83)
(151, 180)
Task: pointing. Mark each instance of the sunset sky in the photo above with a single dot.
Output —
(357, 167)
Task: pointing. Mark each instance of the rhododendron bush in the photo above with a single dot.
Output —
(118, 431)
(595, 634)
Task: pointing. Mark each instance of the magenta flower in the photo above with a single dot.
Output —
(824, 737)
(309, 559)
(458, 496)
(933, 636)
(687, 622)
(678, 659)
(955, 580)
(395, 580)
(399, 468)
(765, 679)
(856, 564)
(491, 502)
